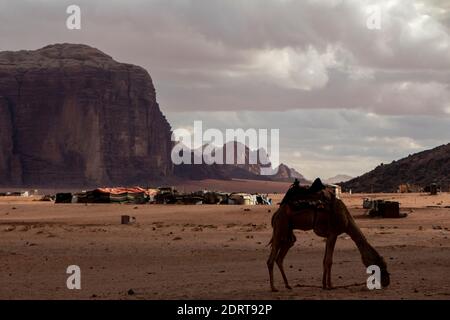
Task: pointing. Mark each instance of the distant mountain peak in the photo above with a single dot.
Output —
(285, 173)
(338, 178)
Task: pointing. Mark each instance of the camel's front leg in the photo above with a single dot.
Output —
(328, 261)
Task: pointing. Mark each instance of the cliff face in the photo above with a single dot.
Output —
(71, 115)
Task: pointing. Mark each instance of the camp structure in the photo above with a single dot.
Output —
(215, 197)
(161, 195)
(135, 195)
(263, 199)
(434, 189)
(151, 193)
(166, 195)
(367, 203)
(337, 190)
(242, 198)
(15, 194)
(63, 197)
(48, 197)
(188, 199)
(408, 188)
(382, 208)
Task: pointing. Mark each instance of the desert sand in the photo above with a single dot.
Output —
(212, 251)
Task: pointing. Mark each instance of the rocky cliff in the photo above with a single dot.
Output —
(71, 115)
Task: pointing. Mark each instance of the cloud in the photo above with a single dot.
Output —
(255, 55)
(310, 68)
(304, 70)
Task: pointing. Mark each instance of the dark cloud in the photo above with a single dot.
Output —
(217, 54)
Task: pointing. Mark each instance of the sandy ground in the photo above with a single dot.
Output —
(211, 252)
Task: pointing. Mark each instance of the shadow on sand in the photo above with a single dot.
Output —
(335, 287)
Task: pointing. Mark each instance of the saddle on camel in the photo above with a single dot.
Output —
(317, 208)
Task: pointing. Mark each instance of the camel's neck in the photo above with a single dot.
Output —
(368, 254)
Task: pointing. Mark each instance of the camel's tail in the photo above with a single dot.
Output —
(272, 222)
(280, 226)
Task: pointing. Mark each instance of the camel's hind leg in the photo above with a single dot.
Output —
(328, 261)
(285, 246)
(278, 253)
(270, 262)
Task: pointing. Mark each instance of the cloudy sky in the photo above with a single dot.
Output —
(345, 97)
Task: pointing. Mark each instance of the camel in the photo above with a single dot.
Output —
(317, 209)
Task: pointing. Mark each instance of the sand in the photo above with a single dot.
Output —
(211, 252)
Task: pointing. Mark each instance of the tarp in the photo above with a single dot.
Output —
(120, 195)
(122, 190)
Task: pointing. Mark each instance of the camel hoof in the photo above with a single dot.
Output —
(274, 290)
(288, 287)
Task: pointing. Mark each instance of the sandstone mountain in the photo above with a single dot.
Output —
(338, 178)
(288, 174)
(421, 169)
(71, 115)
(240, 168)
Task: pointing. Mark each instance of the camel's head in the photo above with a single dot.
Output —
(372, 258)
(385, 277)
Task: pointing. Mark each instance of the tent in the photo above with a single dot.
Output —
(135, 195)
(242, 198)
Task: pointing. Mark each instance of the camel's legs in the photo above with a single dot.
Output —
(280, 257)
(328, 261)
(270, 262)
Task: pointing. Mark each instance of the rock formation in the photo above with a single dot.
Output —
(240, 168)
(71, 115)
(288, 174)
(338, 179)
